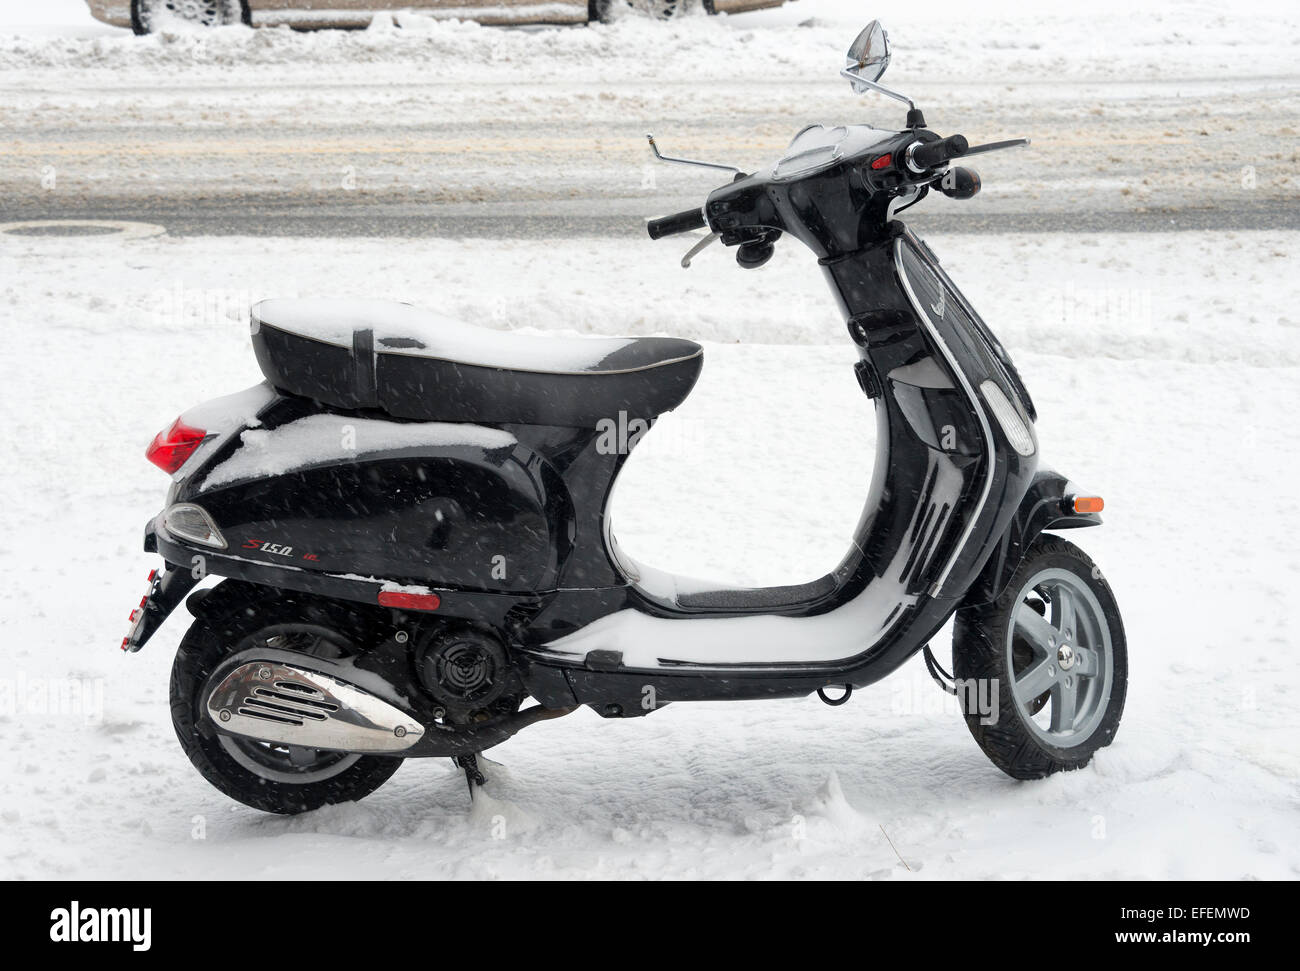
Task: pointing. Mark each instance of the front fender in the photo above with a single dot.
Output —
(1043, 507)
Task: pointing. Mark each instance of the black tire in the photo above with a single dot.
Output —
(606, 11)
(224, 12)
(987, 649)
(233, 613)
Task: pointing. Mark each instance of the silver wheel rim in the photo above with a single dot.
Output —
(1061, 660)
(286, 763)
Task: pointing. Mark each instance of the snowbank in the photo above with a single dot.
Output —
(990, 41)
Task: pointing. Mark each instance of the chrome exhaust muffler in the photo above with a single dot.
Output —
(274, 701)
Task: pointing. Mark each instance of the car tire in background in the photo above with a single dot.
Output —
(149, 16)
(602, 11)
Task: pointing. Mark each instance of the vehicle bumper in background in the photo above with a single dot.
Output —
(741, 6)
(358, 13)
(115, 12)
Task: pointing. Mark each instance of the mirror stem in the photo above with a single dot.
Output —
(688, 161)
(859, 79)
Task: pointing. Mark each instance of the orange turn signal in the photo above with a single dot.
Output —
(1087, 504)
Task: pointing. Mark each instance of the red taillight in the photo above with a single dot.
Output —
(171, 448)
(409, 601)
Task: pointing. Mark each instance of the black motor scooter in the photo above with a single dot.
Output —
(410, 515)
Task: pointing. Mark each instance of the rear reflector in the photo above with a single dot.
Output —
(170, 449)
(409, 601)
(1087, 504)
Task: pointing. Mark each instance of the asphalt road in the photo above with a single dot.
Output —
(552, 160)
(270, 217)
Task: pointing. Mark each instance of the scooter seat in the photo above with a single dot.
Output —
(412, 363)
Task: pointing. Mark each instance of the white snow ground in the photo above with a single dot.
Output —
(1165, 368)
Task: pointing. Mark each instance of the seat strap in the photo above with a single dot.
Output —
(363, 358)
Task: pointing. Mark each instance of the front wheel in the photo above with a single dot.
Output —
(1050, 656)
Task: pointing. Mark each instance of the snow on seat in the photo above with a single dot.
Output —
(412, 363)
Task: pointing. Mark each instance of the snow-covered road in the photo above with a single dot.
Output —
(1186, 106)
(1166, 371)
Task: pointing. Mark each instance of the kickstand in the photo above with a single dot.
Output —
(474, 777)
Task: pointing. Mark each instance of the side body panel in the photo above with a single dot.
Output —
(491, 516)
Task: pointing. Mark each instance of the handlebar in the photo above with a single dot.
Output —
(928, 155)
(678, 222)
(889, 165)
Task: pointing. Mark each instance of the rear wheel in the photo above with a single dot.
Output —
(1051, 656)
(265, 775)
(150, 16)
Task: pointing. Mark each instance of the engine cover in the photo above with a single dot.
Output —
(465, 670)
(277, 702)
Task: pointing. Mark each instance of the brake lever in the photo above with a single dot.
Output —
(694, 251)
(993, 147)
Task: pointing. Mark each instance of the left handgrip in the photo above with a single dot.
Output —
(678, 222)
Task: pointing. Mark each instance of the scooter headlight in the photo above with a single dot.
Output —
(1013, 426)
(188, 521)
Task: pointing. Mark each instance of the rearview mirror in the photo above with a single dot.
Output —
(868, 57)
(866, 61)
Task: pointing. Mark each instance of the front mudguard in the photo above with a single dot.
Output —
(1043, 507)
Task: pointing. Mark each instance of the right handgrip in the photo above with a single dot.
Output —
(928, 155)
(678, 222)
